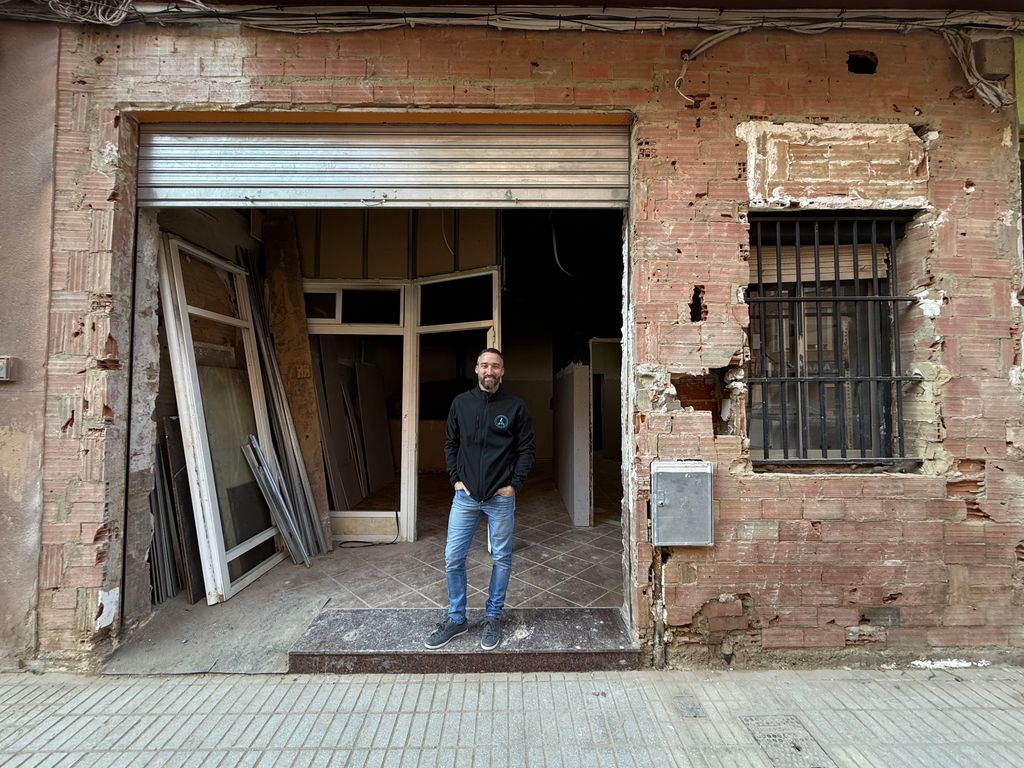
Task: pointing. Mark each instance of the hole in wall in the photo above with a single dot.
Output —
(698, 310)
(706, 393)
(861, 62)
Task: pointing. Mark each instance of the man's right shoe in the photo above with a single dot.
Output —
(491, 637)
(444, 632)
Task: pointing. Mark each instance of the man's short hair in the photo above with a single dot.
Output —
(492, 351)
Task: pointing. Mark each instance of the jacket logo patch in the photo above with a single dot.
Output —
(501, 422)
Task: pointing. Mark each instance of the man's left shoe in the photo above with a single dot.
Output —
(492, 633)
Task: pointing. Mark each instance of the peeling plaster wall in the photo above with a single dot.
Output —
(801, 561)
(28, 90)
(146, 382)
(847, 165)
(85, 429)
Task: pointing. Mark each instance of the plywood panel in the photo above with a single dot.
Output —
(478, 245)
(388, 238)
(291, 345)
(341, 243)
(305, 229)
(353, 527)
(218, 230)
(435, 241)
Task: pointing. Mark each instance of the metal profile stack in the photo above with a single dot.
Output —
(286, 468)
(164, 553)
(282, 510)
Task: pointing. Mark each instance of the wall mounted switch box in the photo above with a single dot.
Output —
(6, 368)
(681, 504)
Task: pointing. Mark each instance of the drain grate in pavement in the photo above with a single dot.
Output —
(687, 704)
(786, 742)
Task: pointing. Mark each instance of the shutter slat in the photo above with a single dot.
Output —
(402, 166)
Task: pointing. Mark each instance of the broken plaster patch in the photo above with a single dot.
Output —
(107, 609)
(880, 166)
(109, 153)
(1017, 376)
(931, 303)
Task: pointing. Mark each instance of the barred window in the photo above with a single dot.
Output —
(824, 373)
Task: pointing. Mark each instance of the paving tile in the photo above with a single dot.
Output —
(577, 591)
(542, 576)
(602, 575)
(567, 564)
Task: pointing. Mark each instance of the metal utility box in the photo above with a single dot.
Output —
(681, 504)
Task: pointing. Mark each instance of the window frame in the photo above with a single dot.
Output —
(860, 287)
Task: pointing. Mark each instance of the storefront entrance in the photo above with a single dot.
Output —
(396, 305)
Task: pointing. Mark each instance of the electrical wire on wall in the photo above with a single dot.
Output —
(106, 12)
(554, 245)
(538, 18)
(358, 543)
(990, 91)
(698, 50)
(958, 28)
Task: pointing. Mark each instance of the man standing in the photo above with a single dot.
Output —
(488, 448)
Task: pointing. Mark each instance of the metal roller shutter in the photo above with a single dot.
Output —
(409, 166)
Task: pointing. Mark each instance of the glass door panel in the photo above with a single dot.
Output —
(220, 400)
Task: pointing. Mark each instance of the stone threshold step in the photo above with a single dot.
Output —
(362, 641)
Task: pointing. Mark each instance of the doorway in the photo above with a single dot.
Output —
(548, 268)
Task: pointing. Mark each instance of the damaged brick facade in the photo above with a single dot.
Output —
(802, 560)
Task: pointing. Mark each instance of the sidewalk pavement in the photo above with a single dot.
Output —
(753, 719)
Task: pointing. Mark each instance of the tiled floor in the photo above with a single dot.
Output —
(554, 564)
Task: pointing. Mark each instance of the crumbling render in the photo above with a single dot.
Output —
(722, 628)
(654, 388)
(878, 166)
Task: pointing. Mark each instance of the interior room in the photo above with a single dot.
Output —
(397, 304)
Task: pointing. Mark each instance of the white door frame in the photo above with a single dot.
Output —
(198, 460)
(410, 329)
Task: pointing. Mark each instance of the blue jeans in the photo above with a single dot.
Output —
(462, 522)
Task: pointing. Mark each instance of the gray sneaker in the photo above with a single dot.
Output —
(444, 632)
(492, 633)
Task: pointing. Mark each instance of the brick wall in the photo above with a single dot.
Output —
(801, 561)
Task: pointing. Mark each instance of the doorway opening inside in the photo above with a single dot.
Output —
(395, 307)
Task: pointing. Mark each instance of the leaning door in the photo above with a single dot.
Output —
(220, 403)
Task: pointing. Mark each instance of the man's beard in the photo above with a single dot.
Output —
(489, 383)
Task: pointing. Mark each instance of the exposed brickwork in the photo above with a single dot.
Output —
(807, 559)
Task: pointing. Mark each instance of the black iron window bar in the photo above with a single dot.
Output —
(843, 404)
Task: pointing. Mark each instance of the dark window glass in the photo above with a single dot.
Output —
(371, 307)
(320, 306)
(456, 301)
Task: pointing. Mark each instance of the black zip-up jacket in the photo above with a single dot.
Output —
(488, 442)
